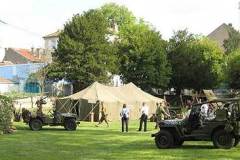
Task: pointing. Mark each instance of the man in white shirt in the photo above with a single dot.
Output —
(124, 114)
(144, 117)
(204, 110)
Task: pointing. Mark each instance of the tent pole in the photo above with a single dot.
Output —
(74, 105)
(91, 110)
(79, 109)
(63, 104)
(181, 100)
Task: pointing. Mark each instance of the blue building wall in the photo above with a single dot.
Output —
(19, 73)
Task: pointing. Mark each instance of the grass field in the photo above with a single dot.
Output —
(90, 142)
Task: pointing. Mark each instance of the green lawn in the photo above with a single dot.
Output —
(90, 142)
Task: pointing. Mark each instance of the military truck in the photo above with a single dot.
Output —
(221, 125)
(39, 119)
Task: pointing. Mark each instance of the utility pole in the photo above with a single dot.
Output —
(1, 21)
(238, 27)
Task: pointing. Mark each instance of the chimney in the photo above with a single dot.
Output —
(38, 54)
(32, 50)
(2, 54)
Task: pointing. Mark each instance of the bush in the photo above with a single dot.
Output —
(233, 70)
(18, 95)
(6, 114)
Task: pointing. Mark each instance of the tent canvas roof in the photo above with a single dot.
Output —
(209, 94)
(128, 93)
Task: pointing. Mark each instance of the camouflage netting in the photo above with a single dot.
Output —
(6, 114)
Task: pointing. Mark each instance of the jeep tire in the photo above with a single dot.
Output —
(35, 124)
(70, 124)
(223, 139)
(164, 139)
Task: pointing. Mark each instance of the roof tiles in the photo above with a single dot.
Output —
(27, 54)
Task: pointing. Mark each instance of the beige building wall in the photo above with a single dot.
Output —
(50, 43)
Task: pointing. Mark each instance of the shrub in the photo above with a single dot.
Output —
(6, 114)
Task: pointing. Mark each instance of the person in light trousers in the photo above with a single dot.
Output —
(144, 117)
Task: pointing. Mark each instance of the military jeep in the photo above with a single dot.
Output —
(39, 119)
(222, 127)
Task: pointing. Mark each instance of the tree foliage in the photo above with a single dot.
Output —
(143, 57)
(139, 53)
(233, 42)
(233, 70)
(117, 15)
(196, 62)
(84, 54)
(141, 50)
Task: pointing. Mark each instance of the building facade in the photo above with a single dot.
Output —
(51, 40)
(8, 86)
(19, 74)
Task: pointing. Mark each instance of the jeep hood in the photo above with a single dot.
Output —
(172, 122)
(68, 115)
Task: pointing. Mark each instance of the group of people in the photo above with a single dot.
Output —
(206, 110)
(125, 113)
(194, 120)
(160, 114)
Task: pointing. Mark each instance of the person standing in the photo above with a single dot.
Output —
(160, 114)
(166, 107)
(144, 117)
(124, 117)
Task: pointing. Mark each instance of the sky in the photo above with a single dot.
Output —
(29, 20)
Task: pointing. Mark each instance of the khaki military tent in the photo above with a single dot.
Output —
(112, 98)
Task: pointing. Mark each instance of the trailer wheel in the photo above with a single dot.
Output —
(35, 124)
(70, 124)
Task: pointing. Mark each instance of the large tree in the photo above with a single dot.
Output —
(83, 54)
(143, 57)
(233, 70)
(196, 62)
